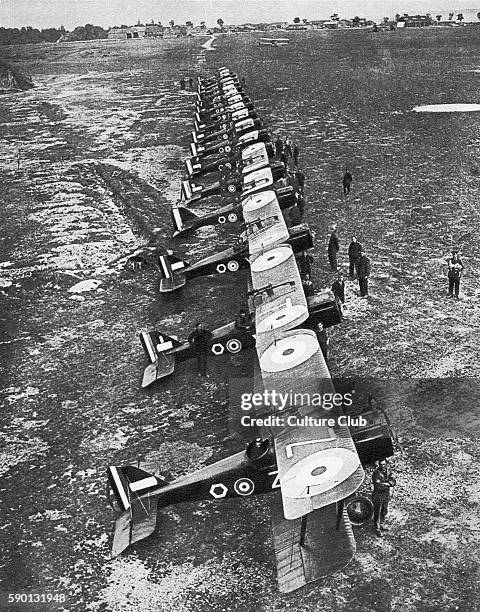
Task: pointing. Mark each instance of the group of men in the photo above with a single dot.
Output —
(359, 267)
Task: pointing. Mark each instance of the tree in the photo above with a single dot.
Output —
(450, 16)
(189, 24)
(172, 23)
(438, 18)
(296, 20)
(356, 21)
(460, 17)
(220, 23)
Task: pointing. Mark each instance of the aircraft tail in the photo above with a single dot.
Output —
(139, 517)
(171, 270)
(157, 346)
(181, 217)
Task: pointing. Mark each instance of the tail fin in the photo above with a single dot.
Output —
(171, 267)
(156, 347)
(139, 517)
(180, 216)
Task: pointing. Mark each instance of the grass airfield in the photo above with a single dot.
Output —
(102, 141)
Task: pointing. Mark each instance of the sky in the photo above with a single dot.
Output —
(70, 13)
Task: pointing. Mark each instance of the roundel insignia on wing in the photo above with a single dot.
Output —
(244, 486)
(218, 490)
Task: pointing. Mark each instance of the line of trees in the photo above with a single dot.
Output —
(29, 35)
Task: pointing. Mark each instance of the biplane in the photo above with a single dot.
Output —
(274, 42)
(164, 351)
(310, 471)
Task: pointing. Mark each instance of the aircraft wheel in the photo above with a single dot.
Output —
(234, 346)
(233, 265)
(359, 508)
(232, 188)
(232, 218)
(221, 219)
(222, 268)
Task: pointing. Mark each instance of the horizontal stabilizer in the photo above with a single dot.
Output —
(177, 281)
(134, 524)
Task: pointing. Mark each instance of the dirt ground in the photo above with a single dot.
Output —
(91, 160)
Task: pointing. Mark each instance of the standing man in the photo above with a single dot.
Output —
(308, 286)
(288, 146)
(278, 147)
(304, 261)
(300, 174)
(200, 341)
(182, 83)
(346, 182)
(190, 83)
(338, 289)
(455, 269)
(382, 483)
(333, 248)
(354, 252)
(295, 215)
(296, 153)
(363, 273)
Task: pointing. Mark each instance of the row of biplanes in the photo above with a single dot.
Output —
(312, 472)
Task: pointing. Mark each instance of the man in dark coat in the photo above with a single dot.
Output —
(363, 272)
(354, 252)
(296, 153)
(346, 182)
(200, 341)
(279, 147)
(300, 174)
(455, 269)
(304, 262)
(382, 484)
(333, 248)
(182, 83)
(338, 288)
(295, 215)
(308, 286)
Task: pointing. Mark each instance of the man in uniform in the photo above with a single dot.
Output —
(295, 216)
(363, 272)
(455, 269)
(382, 484)
(333, 248)
(304, 261)
(200, 341)
(347, 181)
(338, 289)
(308, 286)
(354, 252)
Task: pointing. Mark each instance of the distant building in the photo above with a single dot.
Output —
(414, 21)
